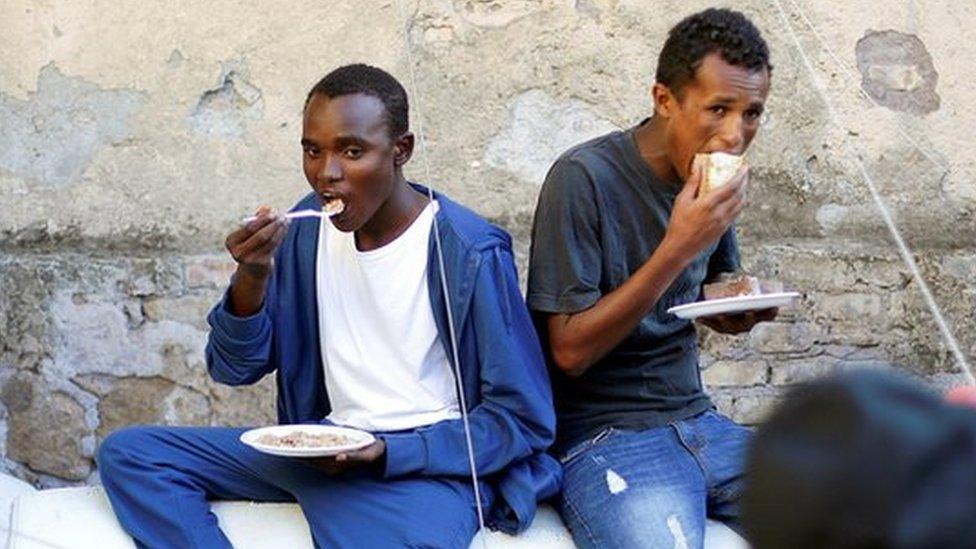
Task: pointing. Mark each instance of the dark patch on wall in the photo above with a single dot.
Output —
(897, 71)
(175, 60)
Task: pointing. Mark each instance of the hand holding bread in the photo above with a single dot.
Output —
(708, 203)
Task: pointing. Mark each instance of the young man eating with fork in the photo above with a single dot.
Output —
(352, 314)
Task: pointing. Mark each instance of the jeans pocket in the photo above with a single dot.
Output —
(585, 445)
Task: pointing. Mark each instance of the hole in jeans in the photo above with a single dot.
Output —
(615, 482)
(679, 535)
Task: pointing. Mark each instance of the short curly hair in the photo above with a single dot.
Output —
(364, 79)
(725, 31)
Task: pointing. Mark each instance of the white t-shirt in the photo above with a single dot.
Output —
(385, 365)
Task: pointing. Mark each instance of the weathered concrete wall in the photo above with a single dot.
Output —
(133, 134)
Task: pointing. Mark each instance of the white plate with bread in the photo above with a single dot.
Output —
(736, 293)
(733, 305)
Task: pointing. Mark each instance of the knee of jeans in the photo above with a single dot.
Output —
(122, 447)
(630, 518)
(673, 527)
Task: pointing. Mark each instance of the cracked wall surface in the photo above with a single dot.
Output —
(134, 135)
(51, 137)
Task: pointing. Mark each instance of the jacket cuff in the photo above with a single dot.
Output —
(406, 453)
(239, 328)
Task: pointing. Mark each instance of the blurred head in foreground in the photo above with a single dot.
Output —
(863, 460)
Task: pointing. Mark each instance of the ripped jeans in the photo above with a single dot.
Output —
(654, 488)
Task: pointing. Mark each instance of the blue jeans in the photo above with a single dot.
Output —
(654, 488)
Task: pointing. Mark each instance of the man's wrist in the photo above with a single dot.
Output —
(253, 273)
(671, 252)
(246, 291)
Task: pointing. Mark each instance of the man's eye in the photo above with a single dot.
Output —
(718, 109)
(753, 114)
(312, 153)
(353, 153)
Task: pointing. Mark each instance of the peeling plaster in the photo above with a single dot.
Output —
(52, 137)
(225, 110)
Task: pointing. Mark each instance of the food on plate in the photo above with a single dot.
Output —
(717, 168)
(302, 439)
(732, 286)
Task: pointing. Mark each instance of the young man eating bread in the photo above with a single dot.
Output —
(628, 225)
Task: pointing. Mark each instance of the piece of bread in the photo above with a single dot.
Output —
(718, 168)
(732, 286)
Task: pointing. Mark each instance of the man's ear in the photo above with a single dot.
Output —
(403, 149)
(665, 102)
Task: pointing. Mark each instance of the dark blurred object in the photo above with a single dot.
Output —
(863, 460)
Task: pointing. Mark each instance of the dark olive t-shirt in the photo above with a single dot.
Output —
(601, 214)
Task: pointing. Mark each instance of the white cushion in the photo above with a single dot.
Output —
(10, 489)
(81, 518)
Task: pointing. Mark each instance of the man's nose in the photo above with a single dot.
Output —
(331, 169)
(733, 135)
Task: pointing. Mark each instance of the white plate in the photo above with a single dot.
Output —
(738, 304)
(361, 439)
